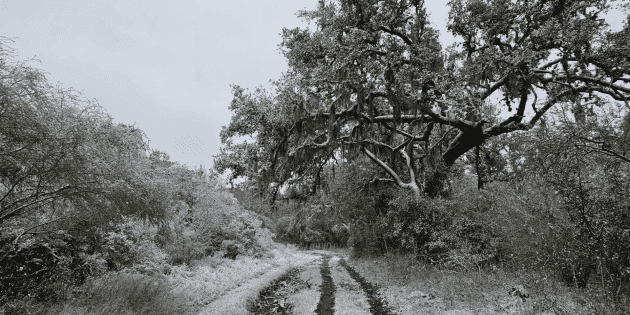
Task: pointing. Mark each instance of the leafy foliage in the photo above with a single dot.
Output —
(82, 197)
(589, 171)
(43, 269)
(370, 79)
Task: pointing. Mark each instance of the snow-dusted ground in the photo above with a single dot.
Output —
(327, 286)
(236, 301)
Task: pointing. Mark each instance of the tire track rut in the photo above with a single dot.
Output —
(378, 306)
(294, 289)
(326, 303)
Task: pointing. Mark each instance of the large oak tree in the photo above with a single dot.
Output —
(371, 79)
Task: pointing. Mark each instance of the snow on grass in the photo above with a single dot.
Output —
(412, 287)
(209, 278)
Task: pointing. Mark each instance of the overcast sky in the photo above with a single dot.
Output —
(164, 65)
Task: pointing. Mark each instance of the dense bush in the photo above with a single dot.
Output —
(43, 267)
(312, 223)
(582, 172)
(437, 230)
(598, 212)
(523, 219)
(215, 222)
(46, 264)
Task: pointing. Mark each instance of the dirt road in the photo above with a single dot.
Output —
(326, 285)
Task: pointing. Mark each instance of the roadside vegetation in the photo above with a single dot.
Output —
(93, 221)
(413, 287)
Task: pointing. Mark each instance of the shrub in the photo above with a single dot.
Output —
(232, 249)
(43, 267)
(202, 232)
(186, 246)
(313, 222)
(457, 231)
(364, 242)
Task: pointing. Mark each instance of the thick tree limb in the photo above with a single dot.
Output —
(612, 93)
(374, 142)
(549, 64)
(513, 124)
(384, 166)
(412, 185)
(412, 174)
(463, 142)
(586, 79)
(397, 33)
(403, 118)
(495, 87)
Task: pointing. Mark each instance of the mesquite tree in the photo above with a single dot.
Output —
(371, 79)
(62, 157)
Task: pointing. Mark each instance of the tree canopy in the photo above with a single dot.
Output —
(61, 155)
(371, 79)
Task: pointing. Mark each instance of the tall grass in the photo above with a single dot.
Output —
(481, 291)
(122, 293)
(114, 293)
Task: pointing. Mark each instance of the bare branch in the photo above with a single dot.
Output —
(604, 150)
(549, 64)
(38, 200)
(384, 166)
(512, 124)
(36, 226)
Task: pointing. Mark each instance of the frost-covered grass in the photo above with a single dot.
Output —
(412, 287)
(209, 278)
(184, 290)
